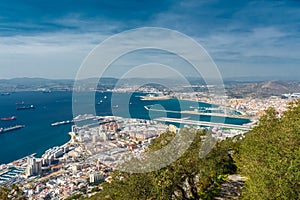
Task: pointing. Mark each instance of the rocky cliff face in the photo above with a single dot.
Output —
(232, 188)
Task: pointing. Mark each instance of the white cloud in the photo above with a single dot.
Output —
(260, 42)
(55, 55)
(243, 37)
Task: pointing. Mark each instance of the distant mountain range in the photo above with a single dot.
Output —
(20, 84)
(262, 89)
(234, 88)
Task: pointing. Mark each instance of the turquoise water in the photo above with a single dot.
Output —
(38, 135)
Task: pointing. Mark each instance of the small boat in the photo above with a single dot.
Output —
(20, 103)
(46, 91)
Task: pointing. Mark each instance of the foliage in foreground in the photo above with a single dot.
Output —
(270, 156)
(11, 192)
(189, 177)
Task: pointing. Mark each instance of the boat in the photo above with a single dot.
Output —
(8, 118)
(25, 107)
(46, 91)
(20, 103)
(12, 128)
(61, 123)
(5, 93)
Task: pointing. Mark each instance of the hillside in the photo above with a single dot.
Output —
(262, 89)
(269, 156)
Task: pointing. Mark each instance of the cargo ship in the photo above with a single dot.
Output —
(26, 107)
(12, 128)
(8, 118)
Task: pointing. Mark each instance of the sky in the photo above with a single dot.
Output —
(51, 39)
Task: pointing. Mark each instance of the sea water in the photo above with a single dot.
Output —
(38, 135)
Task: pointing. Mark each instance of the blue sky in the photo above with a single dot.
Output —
(245, 38)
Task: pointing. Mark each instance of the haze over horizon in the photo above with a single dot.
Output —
(244, 38)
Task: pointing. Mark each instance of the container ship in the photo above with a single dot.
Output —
(12, 128)
(8, 118)
(26, 107)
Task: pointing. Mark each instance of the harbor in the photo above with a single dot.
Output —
(197, 112)
(203, 123)
(9, 175)
(79, 118)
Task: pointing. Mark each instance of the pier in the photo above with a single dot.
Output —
(192, 112)
(203, 123)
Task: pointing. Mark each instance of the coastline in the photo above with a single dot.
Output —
(198, 100)
(193, 112)
(152, 98)
(38, 125)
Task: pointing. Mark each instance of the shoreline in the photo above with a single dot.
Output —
(13, 163)
(200, 113)
(165, 97)
(153, 98)
(142, 98)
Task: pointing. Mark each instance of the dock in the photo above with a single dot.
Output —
(203, 123)
(192, 112)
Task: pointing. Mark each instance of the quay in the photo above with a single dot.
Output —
(203, 123)
(192, 112)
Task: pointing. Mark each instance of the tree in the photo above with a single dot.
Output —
(189, 177)
(11, 192)
(270, 156)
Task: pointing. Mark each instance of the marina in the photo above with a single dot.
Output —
(10, 175)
